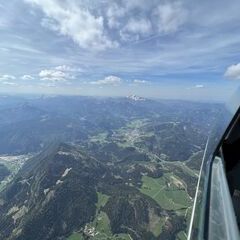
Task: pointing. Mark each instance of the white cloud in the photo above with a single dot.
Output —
(49, 23)
(170, 17)
(9, 83)
(233, 72)
(136, 28)
(27, 77)
(7, 77)
(61, 73)
(114, 14)
(199, 86)
(53, 75)
(110, 80)
(94, 25)
(142, 26)
(152, 18)
(137, 81)
(70, 20)
(66, 68)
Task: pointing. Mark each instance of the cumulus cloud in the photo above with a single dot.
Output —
(75, 22)
(170, 17)
(61, 73)
(233, 72)
(7, 77)
(110, 80)
(53, 75)
(27, 77)
(101, 26)
(152, 18)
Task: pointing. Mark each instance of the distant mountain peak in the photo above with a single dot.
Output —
(136, 98)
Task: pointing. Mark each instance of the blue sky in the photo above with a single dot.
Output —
(168, 49)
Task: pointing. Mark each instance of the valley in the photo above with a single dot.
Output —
(107, 169)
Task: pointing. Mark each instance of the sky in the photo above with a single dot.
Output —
(175, 49)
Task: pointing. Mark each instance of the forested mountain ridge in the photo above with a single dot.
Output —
(96, 168)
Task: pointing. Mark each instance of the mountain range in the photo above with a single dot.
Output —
(99, 168)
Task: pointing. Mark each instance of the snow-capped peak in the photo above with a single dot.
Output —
(136, 98)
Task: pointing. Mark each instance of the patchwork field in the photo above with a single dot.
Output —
(168, 191)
